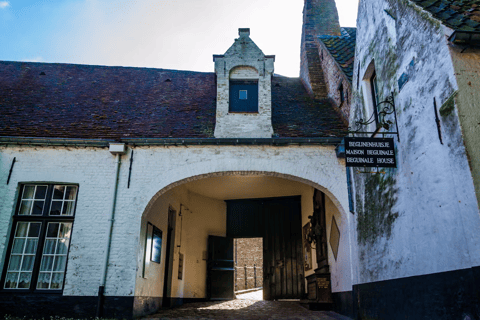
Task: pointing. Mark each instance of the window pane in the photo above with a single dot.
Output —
(63, 202)
(47, 263)
(54, 255)
(49, 246)
(57, 281)
(25, 207)
(38, 207)
(11, 280)
(14, 264)
(156, 245)
(58, 192)
(52, 231)
(31, 246)
(27, 264)
(22, 228)
(56, 208)
(71, 193)
(18, 245)
(43, 280)
(60, 262)
(28, 192)
(24, 281)
(65, 230)
(41, 192)
(22, 255)
(68, 207)
(34, 230)
(62, 246)
(242, 95)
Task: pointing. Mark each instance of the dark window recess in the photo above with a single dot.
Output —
(40, 239)
(374, 89)
(243, 96)
(358, 75)
(342, 93)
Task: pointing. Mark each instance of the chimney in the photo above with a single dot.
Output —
(242, 32)
(320, 17)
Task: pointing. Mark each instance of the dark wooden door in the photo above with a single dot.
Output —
(170, 245)
(220, 268)
(282, 249)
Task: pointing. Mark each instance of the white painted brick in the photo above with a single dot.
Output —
(155, 169)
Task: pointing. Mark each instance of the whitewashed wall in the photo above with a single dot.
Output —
(155, 171)
(422, 217)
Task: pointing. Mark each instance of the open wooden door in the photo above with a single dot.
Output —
(220, 268)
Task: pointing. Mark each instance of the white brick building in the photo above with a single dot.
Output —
(120, 188)
(140, 169)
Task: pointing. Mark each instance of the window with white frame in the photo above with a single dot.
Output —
(371, 94)
(40, 238)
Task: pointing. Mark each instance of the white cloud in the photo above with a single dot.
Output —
(34, 59)
(4, 4)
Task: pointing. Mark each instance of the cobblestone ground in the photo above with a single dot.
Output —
(245, 309)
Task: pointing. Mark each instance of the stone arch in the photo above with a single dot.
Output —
(344, 269)
(243, 72)
(311, 183)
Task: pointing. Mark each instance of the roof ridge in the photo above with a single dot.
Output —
(99, 66)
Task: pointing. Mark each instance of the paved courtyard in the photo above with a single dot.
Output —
(243, 308)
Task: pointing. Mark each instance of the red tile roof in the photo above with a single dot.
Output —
(82, 101)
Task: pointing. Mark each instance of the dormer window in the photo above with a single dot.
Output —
(243, 96)
(244, 90)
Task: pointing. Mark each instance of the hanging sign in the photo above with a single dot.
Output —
(370, 152)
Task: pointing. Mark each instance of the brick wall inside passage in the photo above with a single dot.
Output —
(249, 253)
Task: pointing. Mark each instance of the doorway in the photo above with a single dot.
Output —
(278, 222)
(248, 256)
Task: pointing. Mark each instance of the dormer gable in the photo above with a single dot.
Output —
(244, 98)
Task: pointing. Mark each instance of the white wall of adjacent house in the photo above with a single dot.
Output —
(421, 217)
(157, 176)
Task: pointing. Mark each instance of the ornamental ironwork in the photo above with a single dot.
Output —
(385, 116)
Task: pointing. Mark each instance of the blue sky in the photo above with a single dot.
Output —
(171, 34)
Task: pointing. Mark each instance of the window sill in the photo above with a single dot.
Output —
(29, 291)
(243, 112)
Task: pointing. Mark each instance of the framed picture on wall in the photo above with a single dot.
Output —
(147, 247)
(156, 251)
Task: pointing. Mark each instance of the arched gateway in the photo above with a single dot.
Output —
(186, 210)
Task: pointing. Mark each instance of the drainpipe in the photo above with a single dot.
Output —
(116, 149)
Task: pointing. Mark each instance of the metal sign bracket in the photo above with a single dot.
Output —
(385, 109)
